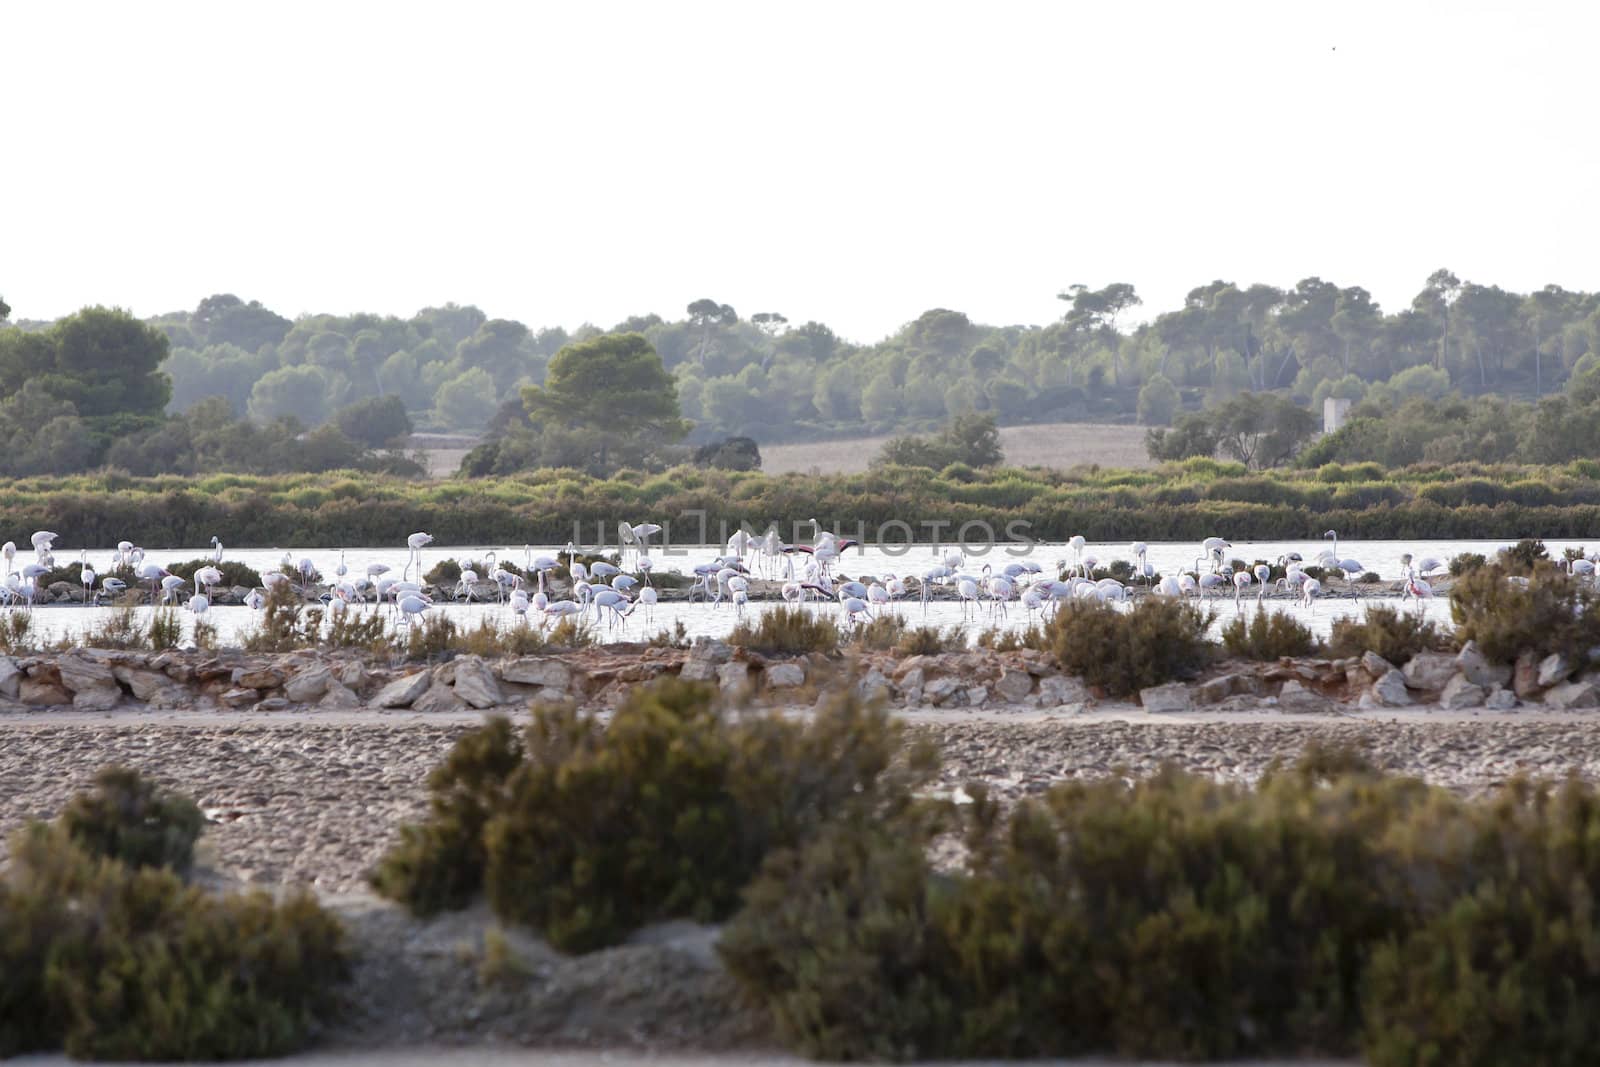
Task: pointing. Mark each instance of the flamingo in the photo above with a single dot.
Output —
(647, 597)
(43, 542)
(1308, 592)
(255, 600)
(853, 606)
(199, 605)
(86, 575)
(1170, 587)
(609, 599)
(112, 587)
(209, 577)
(967, 590)
(216, 552)
(416, 543)
(170, 585)
(1077, 542)
(1240, 580)
(1263, 575)
(411, 607)
(561, 609)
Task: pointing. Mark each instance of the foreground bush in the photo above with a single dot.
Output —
(787, 630)
(587, 833)
(128, 818)
(1546, 612)
(120, 962)
(1268, 635)
(1393, 633)
(1157, 640)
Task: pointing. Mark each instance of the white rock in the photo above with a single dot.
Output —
(1430, 670)
(144, 685)
(350, 673)
(308, 684)
(732, 676)
(1014, 686)
(1552, 669)
(1500, 700)
(538, 670)
(1375, 665)
(439, 697)
(1164, 699)
(1460, 694)
(698, 670)
(1059, 690)
(1478, 670)
(1295, 697)
(1389, 691)
(941, 691)
(10, 677)
(338, 695)
(240, 697)
(873, 686)
(1578, 694)
(79, 673)
(785, 675)
(97, 698)
(402, 691)
(475, 683)
(976, 695)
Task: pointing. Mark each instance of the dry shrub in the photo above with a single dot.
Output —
(1392, 633)
(1543, 613)
(790, 630)
(1268, 635)
(1157, 640)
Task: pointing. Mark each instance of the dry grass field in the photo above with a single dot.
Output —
(1060, 444)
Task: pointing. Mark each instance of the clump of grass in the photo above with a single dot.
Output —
(16, 631)
(204, 634)
(1157, 640)
(282, 627)
(1034, 637)
(1466, 563)
(1268, 635)
(118, 630)
(789, 630)
(165, 630)
(127, 817)
(677, 637)
(431, 636)
(1396, 635)
(356, 629)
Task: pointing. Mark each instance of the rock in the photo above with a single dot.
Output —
(917, 664)
(908, 682)
(976, 695)
(549, 695)
(339, 695)
(1500, 700)
(538, 670)
(711, 651)
(1389, 691)
(1014, 686)
(1578, 694)
(1553, 669)
(1459, 693)
(475, 683)
(1430, 671)
(941, 691)
(79, 673)
(308, 684)
(403, 690)
(261, 678)
(731, 676)
(1375, 665)
(274, 704)
(1525, 677)
(144, 685)
(351, 673)
(240, 697)
(40, 692)
(785, 675)
(873, 686)
(698, 670)
(10, 677)
(1295, 697)
(1059, 690)
(97, 698)
(1477, 668)
(438, 697)
(1217, 690)
(1165, 699)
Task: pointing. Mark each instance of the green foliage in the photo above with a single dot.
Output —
(586, 834)
(973, 440)
(788, 630)
(1158, 401)
(1268, 635)
(892, 632)
(234, 573)
(1393, 633)
(1260, 430)
(130, 819)
(1524, 556)
(16, 632)
(1157, 640)
(1466, 563)
(1508, 614)
(164, 631)
(284, 625)
(375, 422)
(730, 454)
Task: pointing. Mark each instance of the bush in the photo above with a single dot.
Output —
(665, 813)
(1268, 635)
(1466, 563)
(1523, 557)
(787, 630)
(1508, 615)
(233, 573)
(1156, 641)
(131, 819)
(892, 633)
(1395, 635)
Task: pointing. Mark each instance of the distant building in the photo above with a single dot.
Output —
(1335, 410)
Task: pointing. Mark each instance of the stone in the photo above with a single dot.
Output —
(475, 683)
(438, 697)
(549, 695)
(735, 675)
(274, 704)
(1059, 690)
(1500, 700)
(10, 677)
(698, 670)
(1375, 665)
(911, 664)
(785, 675)
(1014, 686)
(79, 673)
(1568, 695)
(976, 695)
(40, 692)
(403, 690)
(941, 691)
(97, 698)
(351, 673)
(1429, 671)
(308, 684)
(1477, 668)
(1389, 691)
(1553, 669)
(144, 685)
(711, 651)
(339, 695)
(1165, 699)
(1525, 676)
(1297, 698)
(261, 678)
(537, 670)
(873, 686)
(240, 697)
(1217, 690)
(1459, 694)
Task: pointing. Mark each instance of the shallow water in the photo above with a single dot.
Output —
(701, 619)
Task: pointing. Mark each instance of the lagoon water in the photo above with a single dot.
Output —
(701, 619)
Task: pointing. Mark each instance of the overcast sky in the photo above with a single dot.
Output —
(855, 163)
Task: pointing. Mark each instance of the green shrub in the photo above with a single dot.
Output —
(1466, 563)
(787, 630)
(1507, 615)
(165, 630)
(234, 573)
(430, 636)
(1523, 557)
(892, 633)
(1268, 635)
(1034, 637)
(129, 818)
(438, 864)
(1394, 634)
(1156, 641)
(283, 626)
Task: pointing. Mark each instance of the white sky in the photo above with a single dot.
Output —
(855, 163)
